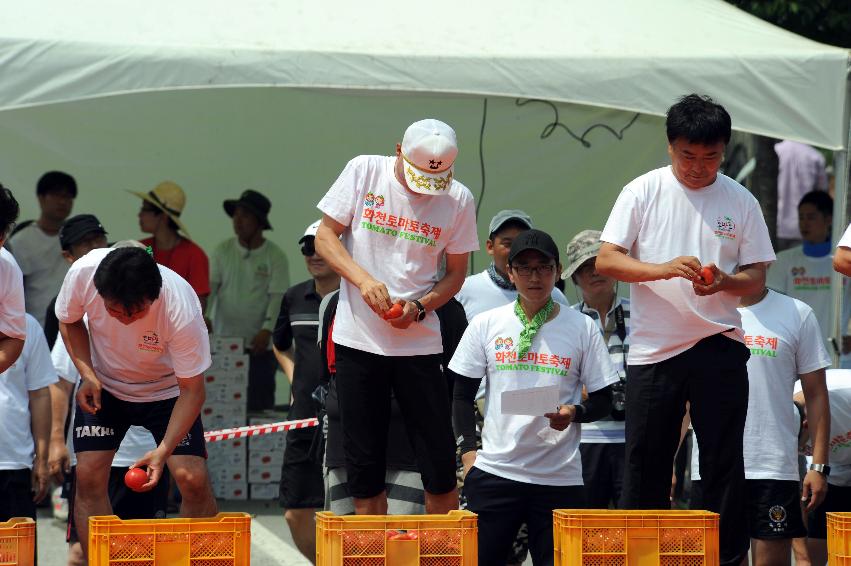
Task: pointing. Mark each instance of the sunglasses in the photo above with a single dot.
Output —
(308, 249)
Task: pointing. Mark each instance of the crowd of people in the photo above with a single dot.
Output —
(435, 390)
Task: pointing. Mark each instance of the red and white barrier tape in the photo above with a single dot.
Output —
(257, 430)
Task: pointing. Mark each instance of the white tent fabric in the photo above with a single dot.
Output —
(635, 55)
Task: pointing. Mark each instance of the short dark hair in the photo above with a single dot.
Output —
(819, 199)
(698, 119)
(511, 223)
(9, 211)
(54, 181)
(129, 276)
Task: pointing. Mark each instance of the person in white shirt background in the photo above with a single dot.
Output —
(492, 287)
(838, 498)
(686, 340)
(800, 169)
(804, 271)
(786, 349)
(25, 406)
(248, 278)
(35, 245)
(141, 357)
(602, 444)
(400, 216)
(13, 324)
(528, 464)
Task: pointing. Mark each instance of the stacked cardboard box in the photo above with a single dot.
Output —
(226, 384)
(265, 458)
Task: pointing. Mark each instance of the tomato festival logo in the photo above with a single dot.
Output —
(725, 228)
(765, 346)
(801, 282)
(503, 343)
(374, 200)
(150, 342)
(507, 359)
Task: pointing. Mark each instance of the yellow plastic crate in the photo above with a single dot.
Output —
(585, 537)
(362, 540)
(839, 539)
(17, 542)
(223, 540)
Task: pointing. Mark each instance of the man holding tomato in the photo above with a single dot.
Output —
(400, 217)
(140, 359)
(687, 343)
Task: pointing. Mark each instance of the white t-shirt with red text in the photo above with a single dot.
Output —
(657, 219)
(140, 361)
(399, 237)
(567, 351)
(13, 322)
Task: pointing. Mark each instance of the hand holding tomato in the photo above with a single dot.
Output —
(135, 478)
(709, 280)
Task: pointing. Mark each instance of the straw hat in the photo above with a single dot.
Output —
(170, 198)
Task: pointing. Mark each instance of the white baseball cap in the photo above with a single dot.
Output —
(429, 148)
(311, 231)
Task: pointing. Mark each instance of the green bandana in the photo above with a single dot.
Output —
(530, 328)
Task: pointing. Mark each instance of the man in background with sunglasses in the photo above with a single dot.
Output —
(296, 347)
(248, 277)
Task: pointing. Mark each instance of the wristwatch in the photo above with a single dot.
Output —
(421, 312)
(823, 469)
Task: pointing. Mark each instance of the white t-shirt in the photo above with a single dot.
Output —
(569, 352)
(845, 241)
(479, 294)
(399, 237)
(807, 279)
(839, 392)
(12, 310)
(41, 261)
(783, 336)
(657, 219)
(137, 442)
(31, 371)
(139, 361)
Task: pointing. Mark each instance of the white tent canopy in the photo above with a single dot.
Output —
(635, 55)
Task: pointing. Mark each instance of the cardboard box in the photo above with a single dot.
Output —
(234, 362)
(265, 457)
(227, 474)
(215, 410)
(219, 421)
(264, 474)
(231, 378)
(227, 345)
(264, 491)
(218, 458)
(234, 490)
(272, 442)
(226, 392)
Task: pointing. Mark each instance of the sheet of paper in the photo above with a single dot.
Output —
(534, 401)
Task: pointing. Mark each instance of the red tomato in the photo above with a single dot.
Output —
(391, 533)
(135, 478)
(399, 536)
(395, 311)
(707, 275)
(413, 535)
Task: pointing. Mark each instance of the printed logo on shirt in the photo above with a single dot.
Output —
(262, 270)
(372, 199)
(765, 346)
(801, 282)
(503, 344)
(725, 228)
(542, 362)
(150, 342)
(777, 518)
(840, 441)
(83, 431)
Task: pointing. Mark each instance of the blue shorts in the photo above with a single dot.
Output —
(106, 429)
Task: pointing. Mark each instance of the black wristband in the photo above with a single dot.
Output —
(580, 412)
(421, 312)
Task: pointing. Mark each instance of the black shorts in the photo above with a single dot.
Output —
(16, 495)
(838, 500)
(126, 503)
(302, 485)
(773, 508)
(364, 383)
(106, 429)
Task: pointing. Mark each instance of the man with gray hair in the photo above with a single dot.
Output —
(602, 443)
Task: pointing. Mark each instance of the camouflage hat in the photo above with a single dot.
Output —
(581, 248)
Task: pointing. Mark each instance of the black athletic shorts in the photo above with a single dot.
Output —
(302, 484)
(364, 383)
(106, 429)
(126, 503)
(838, 500)
(16, 495)
(773, 508)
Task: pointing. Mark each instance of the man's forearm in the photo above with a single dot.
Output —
(818, 421)
(286, 360)
(60, 392)
(842, 261)
(186, 410)
(329, 246)
(40, 420)
(76, 337)
(10, 350)
(443, 290)
(750, 280)
(624, 268)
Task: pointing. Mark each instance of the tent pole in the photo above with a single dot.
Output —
(840, 221)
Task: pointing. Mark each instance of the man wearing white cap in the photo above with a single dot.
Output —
(295, 338)
(400, 217)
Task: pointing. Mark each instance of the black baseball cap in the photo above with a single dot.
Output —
(78, 227)
(537, 240)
